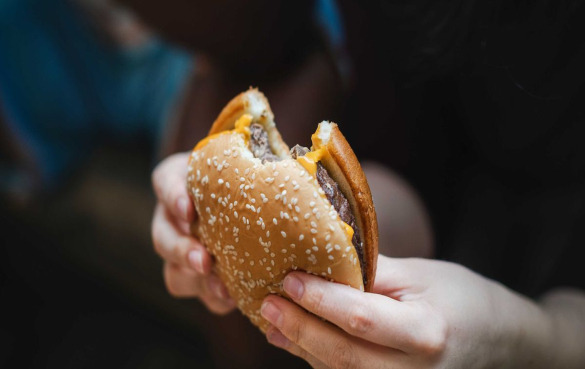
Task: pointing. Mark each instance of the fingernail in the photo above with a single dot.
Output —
(293, 287)
(276, 338)
(196, 260)
(271, 313)
(183, 205)
(218, 289)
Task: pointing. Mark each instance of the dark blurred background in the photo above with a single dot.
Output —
(478, 104)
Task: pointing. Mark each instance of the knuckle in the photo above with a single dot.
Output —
(316, 298)
(157, 176)
(180, 248)
(343, 356)
(294, 330)
(360, 321)
(433, 339)
(156, 242)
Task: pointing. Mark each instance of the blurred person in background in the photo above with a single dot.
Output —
(479, 105)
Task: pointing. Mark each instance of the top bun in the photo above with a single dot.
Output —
(261, 220)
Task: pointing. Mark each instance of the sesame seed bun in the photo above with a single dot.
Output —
(261, 220)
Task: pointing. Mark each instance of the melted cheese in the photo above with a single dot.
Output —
(310, 159)
(242, 126)
(348, 231)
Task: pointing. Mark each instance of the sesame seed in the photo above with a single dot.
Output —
(313, 231)
(301, 237)
(283, 233)
(227, 184)
(330, 257)
(296, 219)
(269, 180)
(329, 270)
(337, 247)
(284, 251)
(312, 203)
(307, 215)
(274, 221)
(308, 251)
(292, 245)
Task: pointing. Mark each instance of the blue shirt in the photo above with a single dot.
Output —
(62, 87)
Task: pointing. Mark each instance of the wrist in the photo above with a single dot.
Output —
(525, 332)
(565, 308)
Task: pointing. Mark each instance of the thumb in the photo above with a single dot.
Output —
(395, 274)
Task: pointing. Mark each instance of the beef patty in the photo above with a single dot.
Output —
(259, 144)
(339, 202)
(261, 149)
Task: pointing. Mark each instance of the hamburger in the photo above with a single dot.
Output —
(265, 210)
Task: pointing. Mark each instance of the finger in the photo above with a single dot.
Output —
(275, 337)
(169, 180)
(216, 297)
(175, 247)
(182, 282)
(324, 341)
(409, 327)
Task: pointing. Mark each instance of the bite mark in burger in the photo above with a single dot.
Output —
(265, 211)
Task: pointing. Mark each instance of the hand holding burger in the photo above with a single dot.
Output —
(422, 314)
(187, 264)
